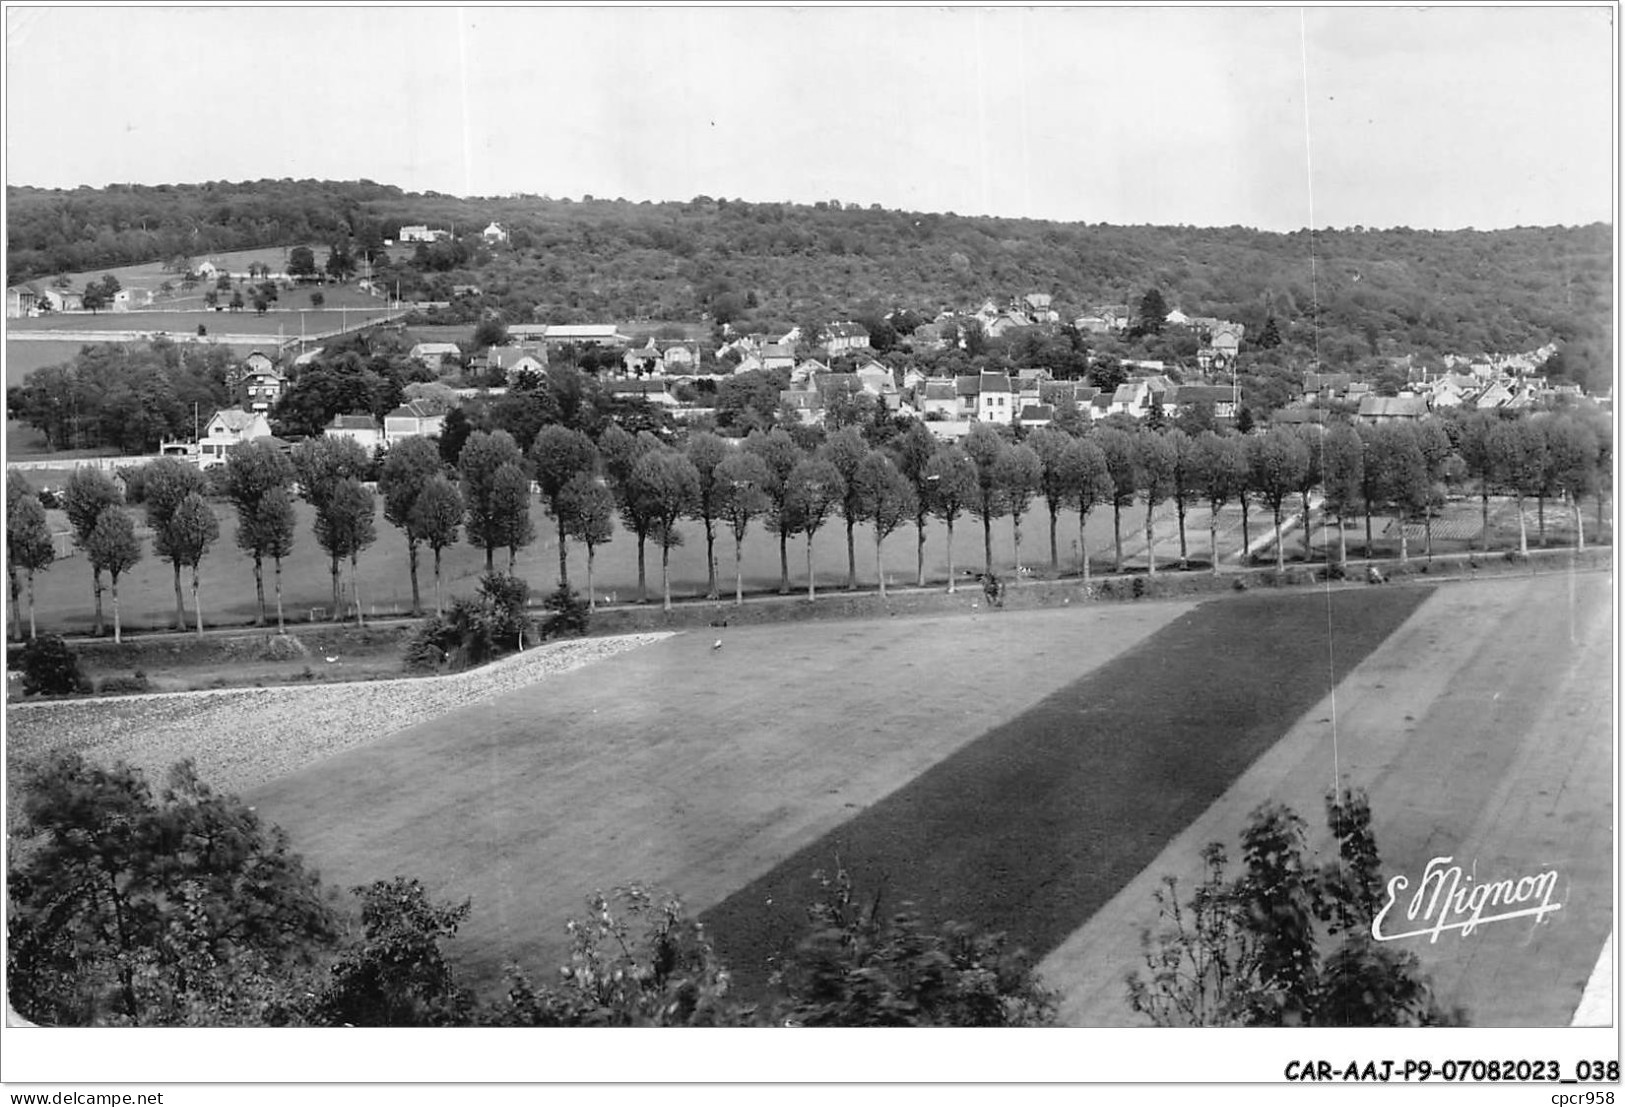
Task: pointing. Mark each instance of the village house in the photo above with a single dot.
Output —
(363, 430)
(431, 355)
(1183, 399)
(226, 428)
(876, 379)
(654, 390)
(412, 420)
(679, 358)
(807, 403)
(1496, 395)
(262, 388)
(805, 371)
(572, 334)
(1225, 343)
(644, 359)
(778, 356)
(1074, 395)
(1392, 409)
(1038, 306)
(1326, 387)
(508, 359)
(63, 299)
(1005, 322)
(840, 337)
(1037, 415)
(995, 399)
(494, 234)
(421, 233)
(939, 400)
(22, 301)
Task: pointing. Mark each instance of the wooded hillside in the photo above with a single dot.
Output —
(1379, 292)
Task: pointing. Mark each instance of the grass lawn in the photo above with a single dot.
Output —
(1482, 730)
(279, 319)
(152, 274)
(1032, 827)
(692, 768)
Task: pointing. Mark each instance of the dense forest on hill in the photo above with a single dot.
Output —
(1373, 293)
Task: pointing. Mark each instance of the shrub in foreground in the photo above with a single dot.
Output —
(51, 668)
(1283, 943)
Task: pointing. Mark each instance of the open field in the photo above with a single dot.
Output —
(694, 768)
(1029, 829)
(1037, 771)
(280, 319)
(152, 274)
(1482, 730)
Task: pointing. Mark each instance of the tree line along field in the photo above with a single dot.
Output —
(64, 604)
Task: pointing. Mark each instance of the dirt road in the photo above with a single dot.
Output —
(1482, 731)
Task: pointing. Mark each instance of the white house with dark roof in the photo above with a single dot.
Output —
(939, 398)
(839, 337)
(876, 378)
(995, 399)
(412, 420)
(360, 429)
(778, 356)
(431, 354)
(228, 427)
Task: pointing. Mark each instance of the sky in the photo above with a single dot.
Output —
(1440, 117)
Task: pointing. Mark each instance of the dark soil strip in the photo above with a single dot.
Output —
(1034, 826)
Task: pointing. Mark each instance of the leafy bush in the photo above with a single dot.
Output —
(855, 969)
(122, 686)
(431, 644)
(50, 668)
(504, 599)
(568, 614)
(1284, 943)
(1139, 587)
(135, 483)
(473, 631)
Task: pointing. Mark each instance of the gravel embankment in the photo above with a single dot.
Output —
(243, 737)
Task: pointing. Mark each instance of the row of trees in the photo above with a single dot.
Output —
(795, 488)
